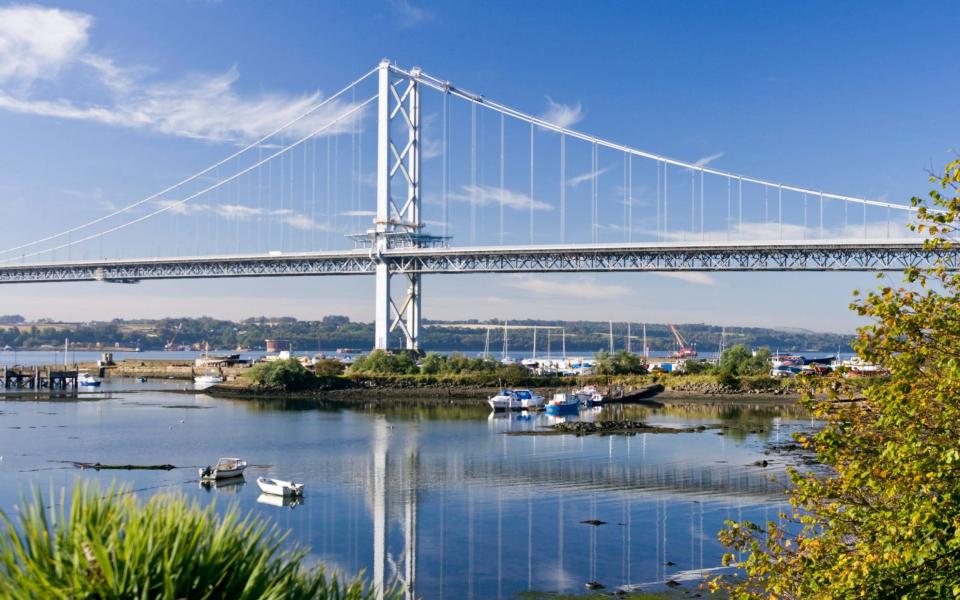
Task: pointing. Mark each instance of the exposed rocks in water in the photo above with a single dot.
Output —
(100, 466)
(610, 428)
(594, 522)
(760, 463)
(672, 583)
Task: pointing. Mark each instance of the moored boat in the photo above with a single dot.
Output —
(208, 379)
(515, 400)
(589, 395)
(563, 402)
(87, 380)
(224, 469)
(279, 487)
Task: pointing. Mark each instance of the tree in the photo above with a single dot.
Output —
(288, 375)
(885, 521)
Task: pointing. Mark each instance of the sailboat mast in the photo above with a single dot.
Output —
(534, 342)
(611, 336)
(506, 341)
(629, 345)
(646, 352)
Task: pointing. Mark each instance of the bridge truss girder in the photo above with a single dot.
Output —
(880, 256)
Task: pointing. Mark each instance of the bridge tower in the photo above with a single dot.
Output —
(398, 221)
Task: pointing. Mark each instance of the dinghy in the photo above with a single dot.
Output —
(278, 487)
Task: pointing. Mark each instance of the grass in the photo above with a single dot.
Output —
(111, 545)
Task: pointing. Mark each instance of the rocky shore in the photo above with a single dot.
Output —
(581, 428)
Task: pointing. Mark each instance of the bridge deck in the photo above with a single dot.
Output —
(810, 255)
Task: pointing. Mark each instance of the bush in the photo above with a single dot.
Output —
(288, 375)
(621, 363)
(380, 361)
(328, 368)
(112, 546)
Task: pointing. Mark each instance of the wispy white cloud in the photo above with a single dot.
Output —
(485, 195)
(357, 213)
(695, 277)
(408, 14)
(563, 115)
(36, 42)
(706, 160)
(760, 231)
(240, 212)
(577, 180)
(39, 43)
(568, 287)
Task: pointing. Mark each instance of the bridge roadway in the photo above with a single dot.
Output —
(810, 255)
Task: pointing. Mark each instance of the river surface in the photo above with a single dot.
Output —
(439, 498)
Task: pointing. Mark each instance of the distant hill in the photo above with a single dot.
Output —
(339, 332)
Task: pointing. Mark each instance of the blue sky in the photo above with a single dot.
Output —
(102, 104)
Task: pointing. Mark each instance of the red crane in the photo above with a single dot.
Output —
(684, 350)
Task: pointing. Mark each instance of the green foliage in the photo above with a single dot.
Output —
(112, 546)
(885, 521)
(439, 364)
(697, 367)
(328, 368)
(739, 361)
(380, 361)
(288, 375)
(620, 363)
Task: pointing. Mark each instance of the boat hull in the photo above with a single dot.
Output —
(279, 488)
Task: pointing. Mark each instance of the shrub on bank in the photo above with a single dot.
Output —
(380, 361)
(113, 546)
(288, 375)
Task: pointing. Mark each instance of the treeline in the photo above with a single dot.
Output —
(336, 331)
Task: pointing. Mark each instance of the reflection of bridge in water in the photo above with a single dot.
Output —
(398, 477)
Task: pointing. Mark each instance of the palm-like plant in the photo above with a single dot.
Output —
(111, 545)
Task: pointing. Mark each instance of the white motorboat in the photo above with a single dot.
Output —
(515, 400)
(208, 379)
(589, 395)
(279, 487)
(224, 469)
(87, 380)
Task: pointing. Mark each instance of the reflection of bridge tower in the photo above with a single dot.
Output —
(394, 482)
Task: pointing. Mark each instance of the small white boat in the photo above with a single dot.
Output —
(515, 400)
(589, 395)
(208, 379)
(224, 469)
(87, 380)
(279, 487)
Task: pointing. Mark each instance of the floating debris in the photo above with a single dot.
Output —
(594, 522)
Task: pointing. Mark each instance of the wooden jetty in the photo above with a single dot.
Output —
(35, 378)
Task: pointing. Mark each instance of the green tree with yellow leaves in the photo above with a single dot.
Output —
(884, 522)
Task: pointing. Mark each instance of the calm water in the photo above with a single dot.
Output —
(439, 498)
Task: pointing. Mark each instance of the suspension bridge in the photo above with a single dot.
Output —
(502, 195)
